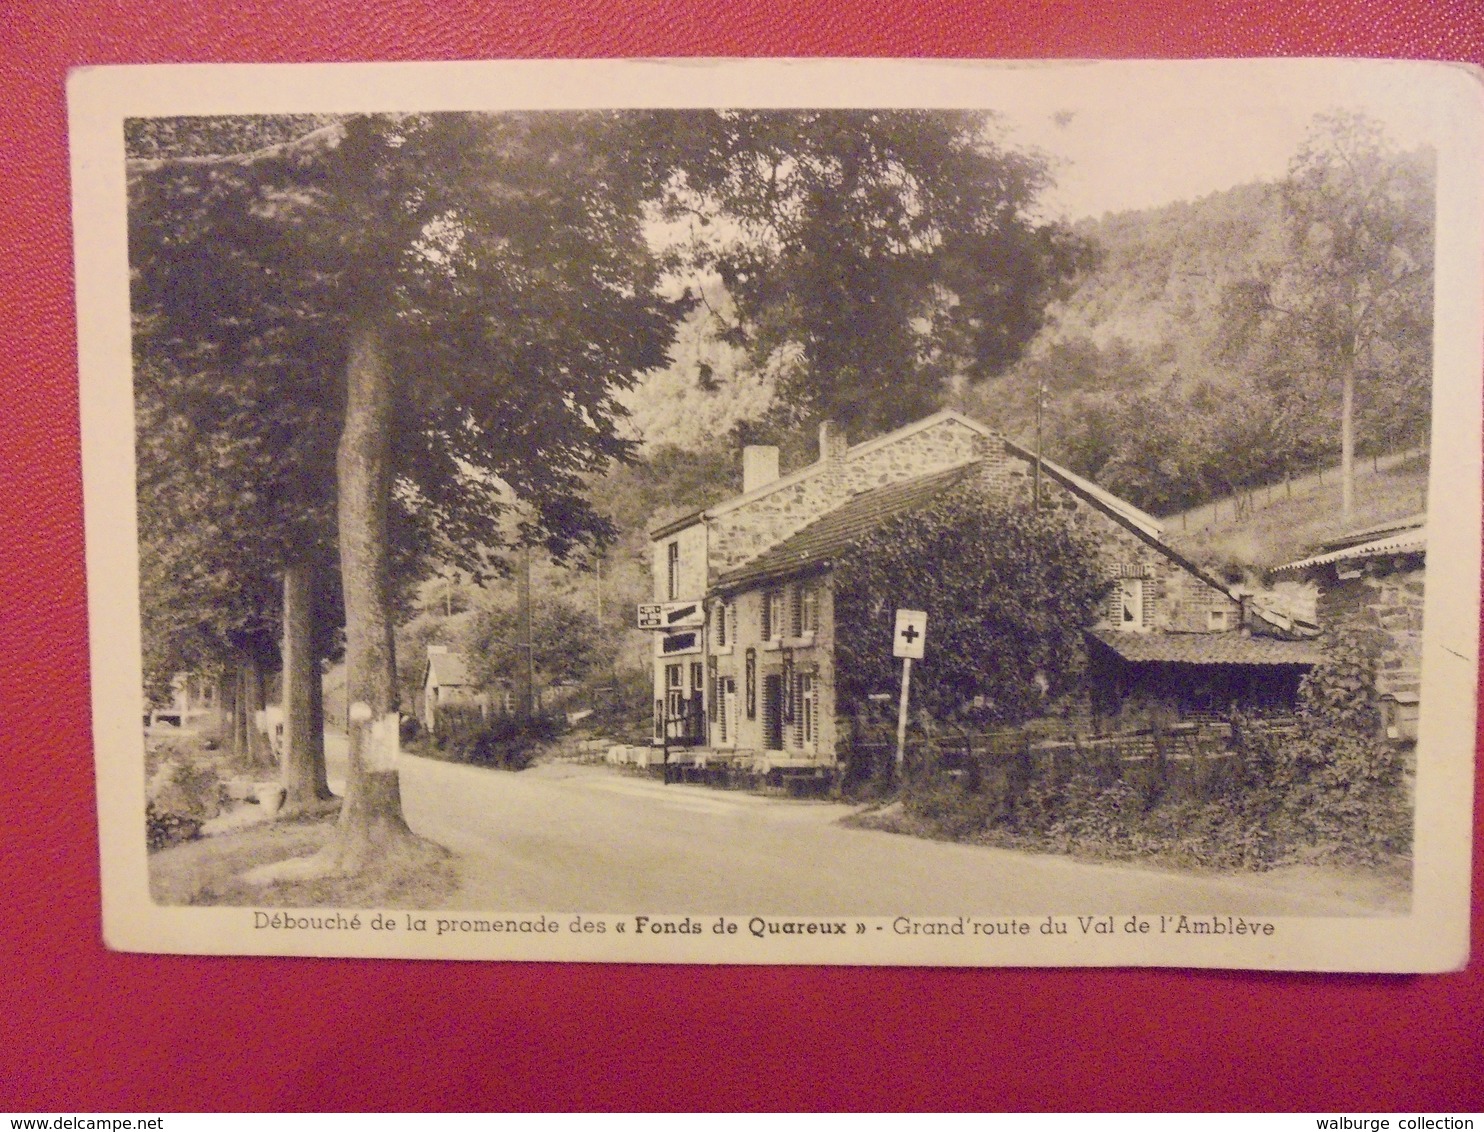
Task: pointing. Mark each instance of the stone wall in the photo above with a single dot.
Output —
(1384, 605)
(740, 534)
(1175, 599)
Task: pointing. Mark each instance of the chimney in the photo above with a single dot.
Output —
(759, 466)
(832, 442)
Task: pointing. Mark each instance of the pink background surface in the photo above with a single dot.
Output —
(87, 1030)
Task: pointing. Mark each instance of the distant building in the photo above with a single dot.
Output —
(194, 704)
(446, 682)
(748, 675)
(1371, 581)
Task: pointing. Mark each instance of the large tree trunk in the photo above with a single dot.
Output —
(259, 747)
(241, 712)
(371, 816)
(227, 712)
(305, 785)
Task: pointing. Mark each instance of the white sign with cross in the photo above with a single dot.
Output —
(910, 635)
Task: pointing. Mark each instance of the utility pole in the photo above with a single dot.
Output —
(1036, 488)
(528, 659)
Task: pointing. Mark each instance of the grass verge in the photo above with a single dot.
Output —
(208, 872)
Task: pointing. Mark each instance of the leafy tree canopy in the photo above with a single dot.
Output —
(875, 253)
(506, 250)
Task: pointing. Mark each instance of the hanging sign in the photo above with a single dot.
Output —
(671, 615)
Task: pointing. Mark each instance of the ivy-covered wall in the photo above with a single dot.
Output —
(1007, 592)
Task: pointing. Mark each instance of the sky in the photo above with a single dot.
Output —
(1134, 136)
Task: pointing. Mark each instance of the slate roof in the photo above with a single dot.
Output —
(1125, 510)
(833, 534)
(445, 669)
(1205, 648)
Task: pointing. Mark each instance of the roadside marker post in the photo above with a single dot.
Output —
(908, 640)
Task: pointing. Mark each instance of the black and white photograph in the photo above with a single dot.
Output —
(961, 514)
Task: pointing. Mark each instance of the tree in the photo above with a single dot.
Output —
(471, 290)
(871, 255)
(1007, 591)
(568, 644)
(219, 517)
(1350, 307)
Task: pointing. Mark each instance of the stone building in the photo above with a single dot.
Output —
(1371, 581)
(746, 674)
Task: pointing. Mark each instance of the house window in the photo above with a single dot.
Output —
(809, 708)
(726, 720)
(808, 610)
(774, 610)
(719, 626)
(1129, 605)
(806, 711)
(788, 686)
(1217, 620)
(672, 570)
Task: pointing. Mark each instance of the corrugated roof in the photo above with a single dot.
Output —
(447, 669)
(837, 531)
(1205, 648)
(1407, 542)
(1379, 530)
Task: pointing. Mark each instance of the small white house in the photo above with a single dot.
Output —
(446, 682)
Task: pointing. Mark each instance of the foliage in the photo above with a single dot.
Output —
(183, 792)
(163, 829)
(1346, 313)
(871, 255)
(568, 645)
(1206, 349)
(505, 742)
(622, 709)
(1007, 592)
(1326, 786)
(509, 249)
(1344, 785)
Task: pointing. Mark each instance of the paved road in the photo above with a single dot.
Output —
(578, 838)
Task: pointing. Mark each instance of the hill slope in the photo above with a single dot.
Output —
(1282, 524)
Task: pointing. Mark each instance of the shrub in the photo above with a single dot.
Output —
(163, 829)
(1339, 785)
(1328, 787)
(505, 742)
(180, 797)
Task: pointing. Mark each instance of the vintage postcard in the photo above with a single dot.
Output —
(831, 512)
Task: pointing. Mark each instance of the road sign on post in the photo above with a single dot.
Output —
(908, 640)
(911, 634)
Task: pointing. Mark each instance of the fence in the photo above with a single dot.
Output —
(1196, 759)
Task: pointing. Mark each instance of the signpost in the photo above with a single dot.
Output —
(908, 640)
